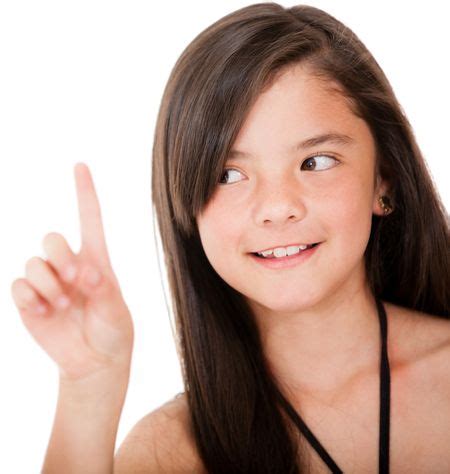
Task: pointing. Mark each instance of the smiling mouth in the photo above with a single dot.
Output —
(293, 255)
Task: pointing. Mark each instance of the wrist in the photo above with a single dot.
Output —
(108, 384)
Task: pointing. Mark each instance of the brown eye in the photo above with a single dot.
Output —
(320, 161)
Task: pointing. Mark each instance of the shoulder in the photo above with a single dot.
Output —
(161, 441)
(420, 345)
(420, 382)
(421, 335)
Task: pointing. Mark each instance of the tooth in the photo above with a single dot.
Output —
(282, 251)
(266, 253)
(292, 249)
(279, 252)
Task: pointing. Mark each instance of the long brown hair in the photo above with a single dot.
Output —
(232, 396)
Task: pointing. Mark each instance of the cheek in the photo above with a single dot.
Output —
(220, 233)
(349, 218)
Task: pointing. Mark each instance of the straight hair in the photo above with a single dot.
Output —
(236, 405)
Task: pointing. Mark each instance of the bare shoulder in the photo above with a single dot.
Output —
(420, 384)
(428, 333)
(421, 345)
(162, 441)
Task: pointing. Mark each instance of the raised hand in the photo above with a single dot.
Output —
(85, 326)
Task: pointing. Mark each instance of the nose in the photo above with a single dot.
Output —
(279, 202)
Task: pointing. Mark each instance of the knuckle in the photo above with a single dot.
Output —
(61, 301)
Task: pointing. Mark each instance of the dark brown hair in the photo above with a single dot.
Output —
(232, 396)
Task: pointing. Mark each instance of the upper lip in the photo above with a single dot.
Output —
(285, 246)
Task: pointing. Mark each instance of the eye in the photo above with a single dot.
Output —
(225, 171)
(311, 162)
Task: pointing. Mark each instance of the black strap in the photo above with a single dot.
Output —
(385, 389)
(385, 394)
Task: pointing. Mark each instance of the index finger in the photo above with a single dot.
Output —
(93, 239)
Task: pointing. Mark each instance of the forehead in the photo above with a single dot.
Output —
(298, 104)
(301, 82)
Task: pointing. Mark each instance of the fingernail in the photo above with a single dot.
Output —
(70, 273)
(93, 277)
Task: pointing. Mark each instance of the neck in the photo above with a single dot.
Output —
(319, 349)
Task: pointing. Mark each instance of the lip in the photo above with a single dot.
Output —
(288, 261)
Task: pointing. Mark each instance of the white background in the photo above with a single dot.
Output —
(82, 81)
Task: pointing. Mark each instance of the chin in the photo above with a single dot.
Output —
(288, 302)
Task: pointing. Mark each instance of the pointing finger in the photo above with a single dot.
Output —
(93, 240)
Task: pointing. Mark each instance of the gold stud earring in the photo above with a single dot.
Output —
(385, 204)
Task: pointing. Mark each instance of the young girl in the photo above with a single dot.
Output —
(307, 254)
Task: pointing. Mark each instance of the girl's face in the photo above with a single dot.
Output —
(273, 194)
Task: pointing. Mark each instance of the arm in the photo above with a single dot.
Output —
(85, 425)
(87, 329)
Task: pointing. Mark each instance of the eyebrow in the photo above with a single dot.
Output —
(330, 137)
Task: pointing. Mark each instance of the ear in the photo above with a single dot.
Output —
(381, 189)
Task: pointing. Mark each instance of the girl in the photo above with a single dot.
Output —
(307, 254)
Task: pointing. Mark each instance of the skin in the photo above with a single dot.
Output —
(90, 338)
(319, 327)
(93, 332)
(318, 320)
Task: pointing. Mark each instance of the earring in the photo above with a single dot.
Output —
(385, 204)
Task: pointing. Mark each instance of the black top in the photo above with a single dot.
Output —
(385, 388)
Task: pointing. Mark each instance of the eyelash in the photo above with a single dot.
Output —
(306, 159)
